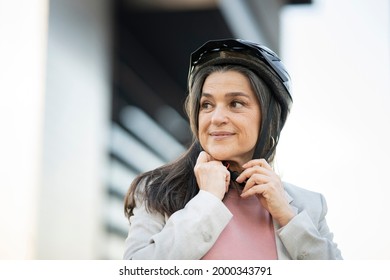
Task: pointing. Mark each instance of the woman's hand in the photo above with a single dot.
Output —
(263, 182)
(211, 175)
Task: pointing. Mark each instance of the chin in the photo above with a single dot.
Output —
(227, 155)
(220, 155)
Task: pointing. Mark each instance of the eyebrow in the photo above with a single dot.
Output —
(229, 94)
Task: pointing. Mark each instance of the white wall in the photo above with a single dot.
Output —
(336, 140)
(23, 31)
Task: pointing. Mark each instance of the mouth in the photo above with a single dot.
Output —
(221, 135)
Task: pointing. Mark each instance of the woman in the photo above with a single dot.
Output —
(222, 198)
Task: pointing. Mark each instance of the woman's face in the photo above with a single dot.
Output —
(229, 117)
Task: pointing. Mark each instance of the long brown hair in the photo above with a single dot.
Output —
(168, 188)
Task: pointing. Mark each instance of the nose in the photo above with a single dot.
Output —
(219, 116)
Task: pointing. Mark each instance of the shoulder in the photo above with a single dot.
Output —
(300, 193)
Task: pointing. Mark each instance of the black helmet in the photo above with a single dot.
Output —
(261, 60)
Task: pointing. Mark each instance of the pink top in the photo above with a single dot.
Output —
(249, 235)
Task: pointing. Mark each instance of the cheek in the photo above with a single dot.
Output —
(252, 137)
(202, 127)
(252, 131)
(249, 134)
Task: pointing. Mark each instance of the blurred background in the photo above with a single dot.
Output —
(91, 94)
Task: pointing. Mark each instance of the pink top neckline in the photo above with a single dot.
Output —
(250, 233)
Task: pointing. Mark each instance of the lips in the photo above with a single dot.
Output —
(219, 135)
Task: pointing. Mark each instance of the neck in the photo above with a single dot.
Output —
(235, 170)
(235, 166)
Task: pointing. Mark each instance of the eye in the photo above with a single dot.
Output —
(205, 105)
(237, 104)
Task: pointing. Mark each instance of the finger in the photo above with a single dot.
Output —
(257, 179)
(258, 162)
(255, 190)
(203, 157)
(227, 180)
(249, 172)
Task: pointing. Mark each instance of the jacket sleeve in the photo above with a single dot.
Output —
(187, 234)
(308, 238)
